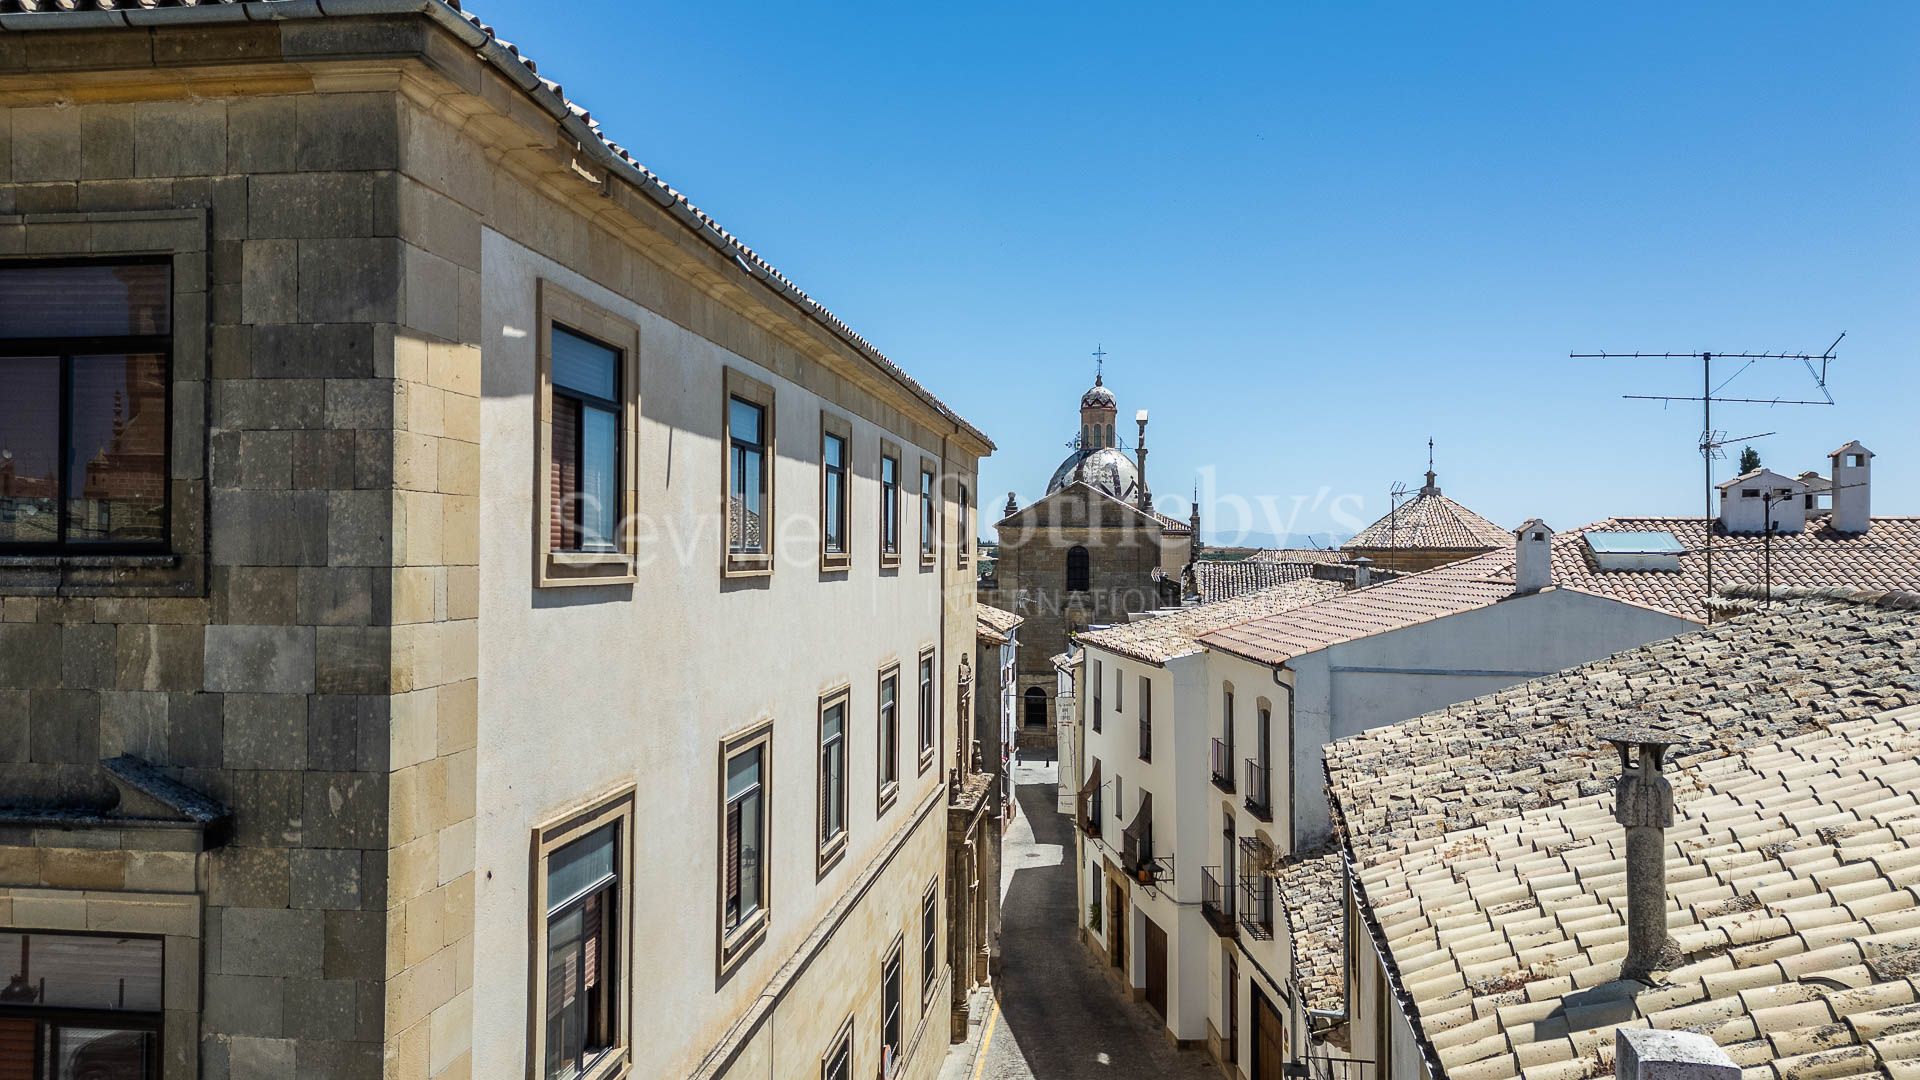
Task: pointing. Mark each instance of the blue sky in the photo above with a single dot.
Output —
(1311, 235)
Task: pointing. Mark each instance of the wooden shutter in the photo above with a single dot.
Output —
(733, 856)
(565, 478)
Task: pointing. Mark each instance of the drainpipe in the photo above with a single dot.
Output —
(1293, 789)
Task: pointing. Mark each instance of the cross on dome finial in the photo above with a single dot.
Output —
(1100, 365)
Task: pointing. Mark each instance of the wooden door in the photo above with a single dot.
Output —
(1116, 925)
(1233, 1006)
(1156, 945)
(1269, 1039)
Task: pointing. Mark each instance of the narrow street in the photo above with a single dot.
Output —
(1059, 1016)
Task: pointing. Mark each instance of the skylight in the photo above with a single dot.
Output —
(1656, 551)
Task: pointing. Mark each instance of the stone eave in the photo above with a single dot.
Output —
(41, 67)
(149, 802)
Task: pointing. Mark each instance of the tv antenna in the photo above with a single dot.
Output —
(1394, 494)
(1712, 442)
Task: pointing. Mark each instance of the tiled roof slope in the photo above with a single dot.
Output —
(58, 15)
(1297, 555)
(1171, 526)
(1793, 875)
(1803, 661)
(1216, 580)
(993, 623)
(1309, 888)
(1430, 520)
(1160, 638)
(1886, 556)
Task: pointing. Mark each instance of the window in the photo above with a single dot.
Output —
(929, 938)
(1146, 719)
(837, 1063)
(89, 1005)
(833, 779)
(927, 723)
(836, 436)
(891, 1026)
(743, 836)
(889, 504)
(1095, 668)
(965, 511)
(887, 746)
(929, 515)
(1034, 713)
(582, 935)
(750, 459)
(1080, 574)
(588, 414)
(86, 359)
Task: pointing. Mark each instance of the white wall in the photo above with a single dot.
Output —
(584, 689)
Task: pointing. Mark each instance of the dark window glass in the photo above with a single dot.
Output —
(929, 936)
(83, 420)
(1034, 713)
(890, 506)
(839, 1063)
(890, 1025)
(747, 494)
(833, 773)
(1079, 572)
(115, 983)
(926, 704)
(586, 443)
(745, 827)
(583, 889)
(926, 513)
(889, 746)
(833, 494)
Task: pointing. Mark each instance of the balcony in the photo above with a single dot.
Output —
(1259, 791)
(1223, 765)
(1146, 739)
(1136, 844)
(1325, 1068)
(1088, 804)
(1216, 901)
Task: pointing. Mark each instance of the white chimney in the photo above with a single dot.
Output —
(1532, 557)
(1362, 572)
(1852, 509)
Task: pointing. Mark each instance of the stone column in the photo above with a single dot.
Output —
(1643, 803)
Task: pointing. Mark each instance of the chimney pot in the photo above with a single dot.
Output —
(1852, 507)
(1643, 803)
(1660, 1054)
(1532, 557)
(1362, 572)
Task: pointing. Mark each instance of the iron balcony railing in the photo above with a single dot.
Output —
(1256, 906)
(1325, 1068)
(1259, 791)
(1216, 900)
(1223, 765)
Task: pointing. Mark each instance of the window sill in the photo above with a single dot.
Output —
(158, 561)
(889, 562)
(830, 855)
(735, 944)
(738, 565)
(926, 760)
(889, 794)
(928, 562)
(615, 1064)
(835, 562)
(586, 568)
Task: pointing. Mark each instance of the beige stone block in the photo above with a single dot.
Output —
(460, 418)
(49, 911)
(160, 871)
(176, 917)
(20, 866)
(459, 467)
(413, 728)
(460, 785)
(78, 868)
(423, 914)
(463, 592)
(460, 1068)
(416, 594)
(420, 407)
(459, 705)
(409, 806)
(460, 530)
(454, 367)
(420, 989)
(421, 514)
(462, 963)
(410, 359)
(416, 461)
(408, 1049)
(396, 941)
(456, 922)
(451, 1034)
(456, 850)
(413, 869)
(459, 650)
(182, 976)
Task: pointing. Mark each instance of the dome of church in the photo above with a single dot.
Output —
(1097, 398)
(1108, 469)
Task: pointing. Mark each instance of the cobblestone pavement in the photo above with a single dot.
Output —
(1059, 1017)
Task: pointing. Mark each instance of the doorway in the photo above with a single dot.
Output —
(1156, 945)
(1117, 926)
(1269, 1039)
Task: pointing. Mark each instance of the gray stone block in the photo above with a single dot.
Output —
(86, 651)
(65, 727)
(285, 942)
(347, 131)
(243, 877)
(326, 878)
(336, 596)
(355, 944)
(260, 460)
(269, 528)
(261, 1059)
(1658, 1054)
(270, 281)
(311, 205)
(360, 403)
(255, 594)
(30, 655)
(302, 351)
(265, 731)
(264, 659)
(323, 459)
(262, 136)
(320, 1009)
(267, 808)
(359, 528)
(194, 730)
(241, 1006)
(158, 656)
(352, 660)
(349, 280)
(134, 722)
(345, 810)
(15, 746)
(333, 732)
(180, 138)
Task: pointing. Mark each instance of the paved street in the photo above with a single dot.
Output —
(1060, 1017)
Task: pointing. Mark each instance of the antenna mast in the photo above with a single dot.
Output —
(1710, 440)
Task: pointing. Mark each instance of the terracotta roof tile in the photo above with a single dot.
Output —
(1308, 886)
(1160, 638)
(992, 623)
(1216, 580)
(1430, 520)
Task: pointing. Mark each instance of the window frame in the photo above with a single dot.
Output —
(886, 737)
(829, 850)
(615, 808)
(63, 351)
(929, 940)
(751, 391)
(963, 515)
(836, 427)
(1095, 680)
(889, 517)
(930, 523)
(1083, 573)
(841, 1046)
(733, 944)
(556, 305)
(927, 707)
(1146, 718)
(895, 958)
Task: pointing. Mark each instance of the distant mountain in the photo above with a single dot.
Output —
(1253, 540)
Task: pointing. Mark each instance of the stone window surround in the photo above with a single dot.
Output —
(896, 955)
(930, 490)
(741, 385)
(930, 927)
(616, 806)
(831, 850)
(734, 946)
(888, 790)
(174, 917)
(560, 568)
(890, 451)
(928, 752)
(963, 515)
(833, 562)
(842, 1040)
(180, 235)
